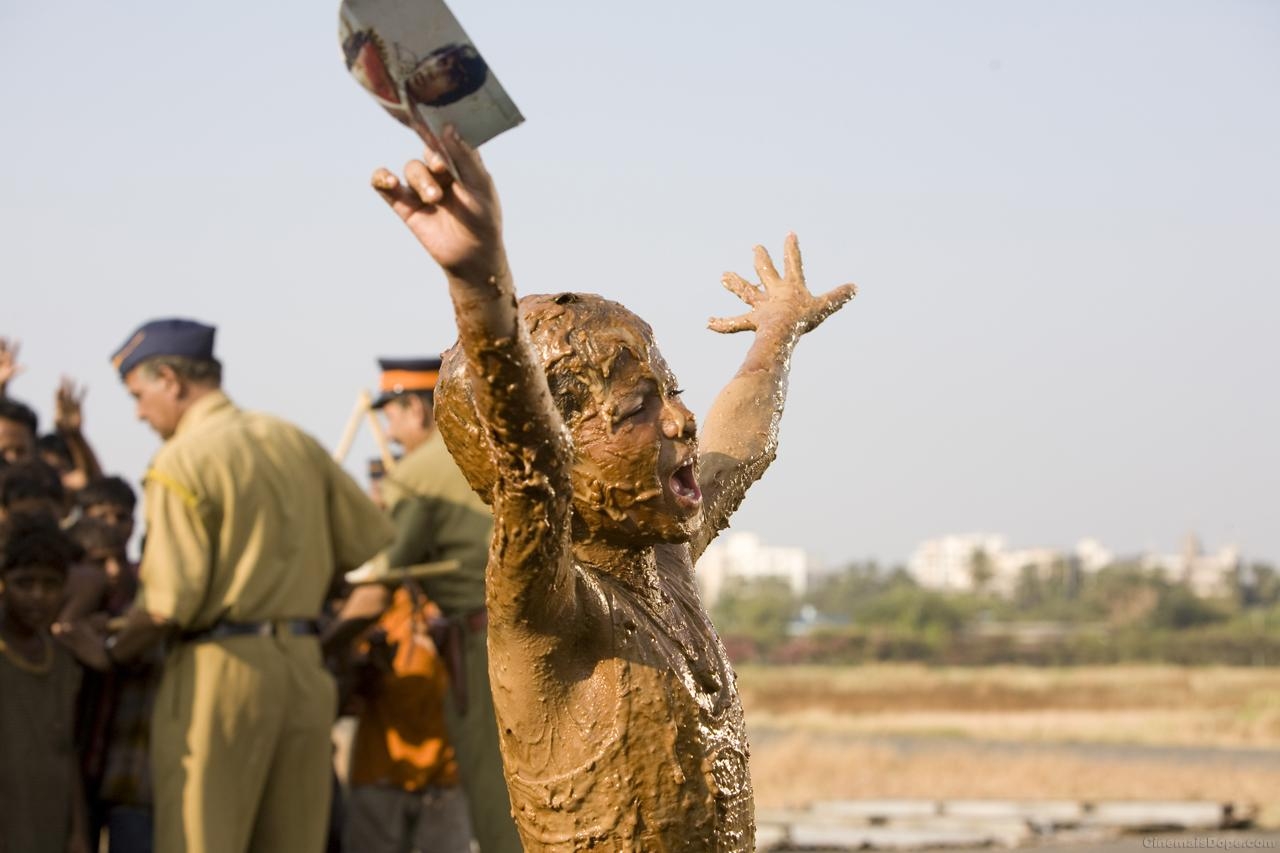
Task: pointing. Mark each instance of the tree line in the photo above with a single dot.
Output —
(1122, 613)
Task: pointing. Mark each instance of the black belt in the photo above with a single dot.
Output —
(222, 629)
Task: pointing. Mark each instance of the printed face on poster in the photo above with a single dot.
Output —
(418, 63)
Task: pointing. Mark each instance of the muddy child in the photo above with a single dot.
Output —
(618, 712)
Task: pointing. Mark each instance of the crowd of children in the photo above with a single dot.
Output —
(74, 758)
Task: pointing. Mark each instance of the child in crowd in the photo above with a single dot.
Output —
(111, 500)
(32, 487)
(41, 805)
(18, 425)
(116, 706)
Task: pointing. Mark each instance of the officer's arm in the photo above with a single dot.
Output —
(459, 222)
(415, 540)
(176, 566)
(177, 561)
(358, 529)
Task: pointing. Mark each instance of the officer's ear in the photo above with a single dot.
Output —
(170, 379)
(420, 405)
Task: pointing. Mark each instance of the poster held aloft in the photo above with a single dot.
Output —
(415, 59)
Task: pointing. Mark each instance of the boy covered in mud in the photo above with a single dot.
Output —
(619, 717)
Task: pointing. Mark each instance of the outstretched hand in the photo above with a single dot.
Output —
(84, 641)
(9, 366)
(458, 221)
(69, 406)
(780, 302)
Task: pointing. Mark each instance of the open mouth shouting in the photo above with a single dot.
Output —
(684, 487)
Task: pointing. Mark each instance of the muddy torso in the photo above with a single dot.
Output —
(636, 740)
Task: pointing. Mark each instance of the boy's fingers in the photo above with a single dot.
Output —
(402, 200)
(831, 302)
(740, 287)
(418, 176)
(764, 266)
(791, 257)
(729, 325)
(466, 160)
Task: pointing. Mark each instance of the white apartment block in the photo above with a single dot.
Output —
(949, 562)
(741, 556)
(1208, 575)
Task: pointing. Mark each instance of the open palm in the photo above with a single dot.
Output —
(780, 300)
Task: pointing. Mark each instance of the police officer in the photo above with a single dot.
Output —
(438, 517)
(247, 519)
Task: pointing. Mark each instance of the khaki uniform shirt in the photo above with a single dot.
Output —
(247, 518)
(438, 517)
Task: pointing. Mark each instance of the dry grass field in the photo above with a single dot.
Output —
(1013, 732)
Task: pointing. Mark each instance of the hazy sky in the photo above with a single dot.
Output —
(1064, 220)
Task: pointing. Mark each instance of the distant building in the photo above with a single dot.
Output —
(1208, 575)
(969, 561)
(948, 563)
(742, 557)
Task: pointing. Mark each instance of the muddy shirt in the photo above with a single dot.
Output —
(657, 728)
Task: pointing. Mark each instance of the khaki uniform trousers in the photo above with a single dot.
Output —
(240, 751)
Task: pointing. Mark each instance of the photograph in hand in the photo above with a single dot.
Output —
(419, 65)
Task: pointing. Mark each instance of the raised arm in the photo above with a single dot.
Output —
(459, 223)
(9, 366)
(69, 422)
(740, 435)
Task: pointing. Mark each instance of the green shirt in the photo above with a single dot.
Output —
(438, 517)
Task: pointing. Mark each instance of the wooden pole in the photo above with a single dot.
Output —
(384, 446)
(353, 426)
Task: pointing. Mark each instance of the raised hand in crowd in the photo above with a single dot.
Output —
(68, 419)
(9, 366)
(68, 406)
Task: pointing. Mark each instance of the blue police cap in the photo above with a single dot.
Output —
(402, 375)
(172, 336)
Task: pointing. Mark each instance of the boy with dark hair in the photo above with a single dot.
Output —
(116, 731)
(31, 487)
(18, 425)
(111, 500)
(41, 806)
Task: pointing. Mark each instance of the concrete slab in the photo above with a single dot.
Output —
(1158, 815)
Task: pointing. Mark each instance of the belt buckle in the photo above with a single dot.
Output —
(267, 629)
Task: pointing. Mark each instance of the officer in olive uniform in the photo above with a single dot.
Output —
(247, 519)
(438, 517)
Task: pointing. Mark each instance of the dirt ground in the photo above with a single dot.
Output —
(1010, 732)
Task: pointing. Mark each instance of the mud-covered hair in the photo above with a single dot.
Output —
(577, 337)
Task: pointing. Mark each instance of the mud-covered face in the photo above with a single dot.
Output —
(635, 471)
(634, 477)
(32, 595)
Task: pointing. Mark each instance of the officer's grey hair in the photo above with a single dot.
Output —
(199, 371)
